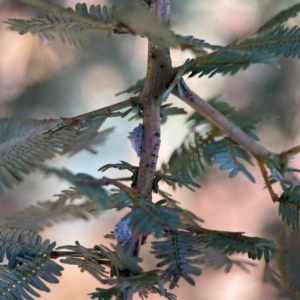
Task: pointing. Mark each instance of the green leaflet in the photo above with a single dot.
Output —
(153, 218)
(120, 260)
(216, 259)
(135, 89)
(289, 206)
(266, 49)
(25, 143)
(15, 243)
(194, 44)
(206, 144)
(231, 60)
(19, 282)
(231, 242)
(280, 18)
(280, 41)
(87, 185)
(47, 213)
(73, 26)
(144, 283)
(180, 253)
(89, 260)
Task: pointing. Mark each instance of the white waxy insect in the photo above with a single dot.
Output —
(123, 232)
(135, 138)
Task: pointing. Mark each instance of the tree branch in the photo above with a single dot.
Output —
(159, 73)
(235, 133)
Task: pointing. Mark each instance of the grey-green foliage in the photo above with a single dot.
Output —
(62, 23)
(280, 41)
(89, 260)
(120, 260)
(18, 242)
(230, 61)
(265, 48)
(152, 218)
(73, 26)
(216, 259)
(87, 185)
(280, 18)
(48, 213)
(25, 143)
(231, 243)
(290, 213)
(180, 254)
(206, 144)
(144, 284)
(20, 282)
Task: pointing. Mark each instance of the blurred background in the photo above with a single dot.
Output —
(52, 80)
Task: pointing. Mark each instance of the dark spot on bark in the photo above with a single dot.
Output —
(157, 134)
(148, 166)
(153, 56)
(162, 66)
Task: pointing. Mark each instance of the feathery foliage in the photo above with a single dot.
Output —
(25, 143)
(21, 281)
(18, 242)
(216, 259)
(86, 184)
(230, 61)
(73, 26)
(48, 213)
(230, 243)
(180, 253)
(144, 284)
(280, 18)
(289, 206)
(89, 260)
(183, 246)
(206, 144)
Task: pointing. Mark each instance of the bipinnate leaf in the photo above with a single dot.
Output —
(18, 242)
(23, 280)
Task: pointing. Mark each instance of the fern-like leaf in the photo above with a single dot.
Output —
(68, 25)
(280, 18)
(87, 138)
(120, 260)
(150, 218)
(145, 283)
(280, 41)
(230, 61)
(87, 185)
(72, 26)
(227, 153)
(216, 259)
(180, 253)
(289, 206)
(48, 213)
(89, 260)
(25, 143)
(21, 281)
(235, 242)
(18, 242)
(194, 44)
(206, 144)
(135, 89)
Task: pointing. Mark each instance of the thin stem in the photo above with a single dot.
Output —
(264, 174)
(235, 133)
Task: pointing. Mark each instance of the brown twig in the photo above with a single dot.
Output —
(235, 133)
(159, 73)
(264, 174)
